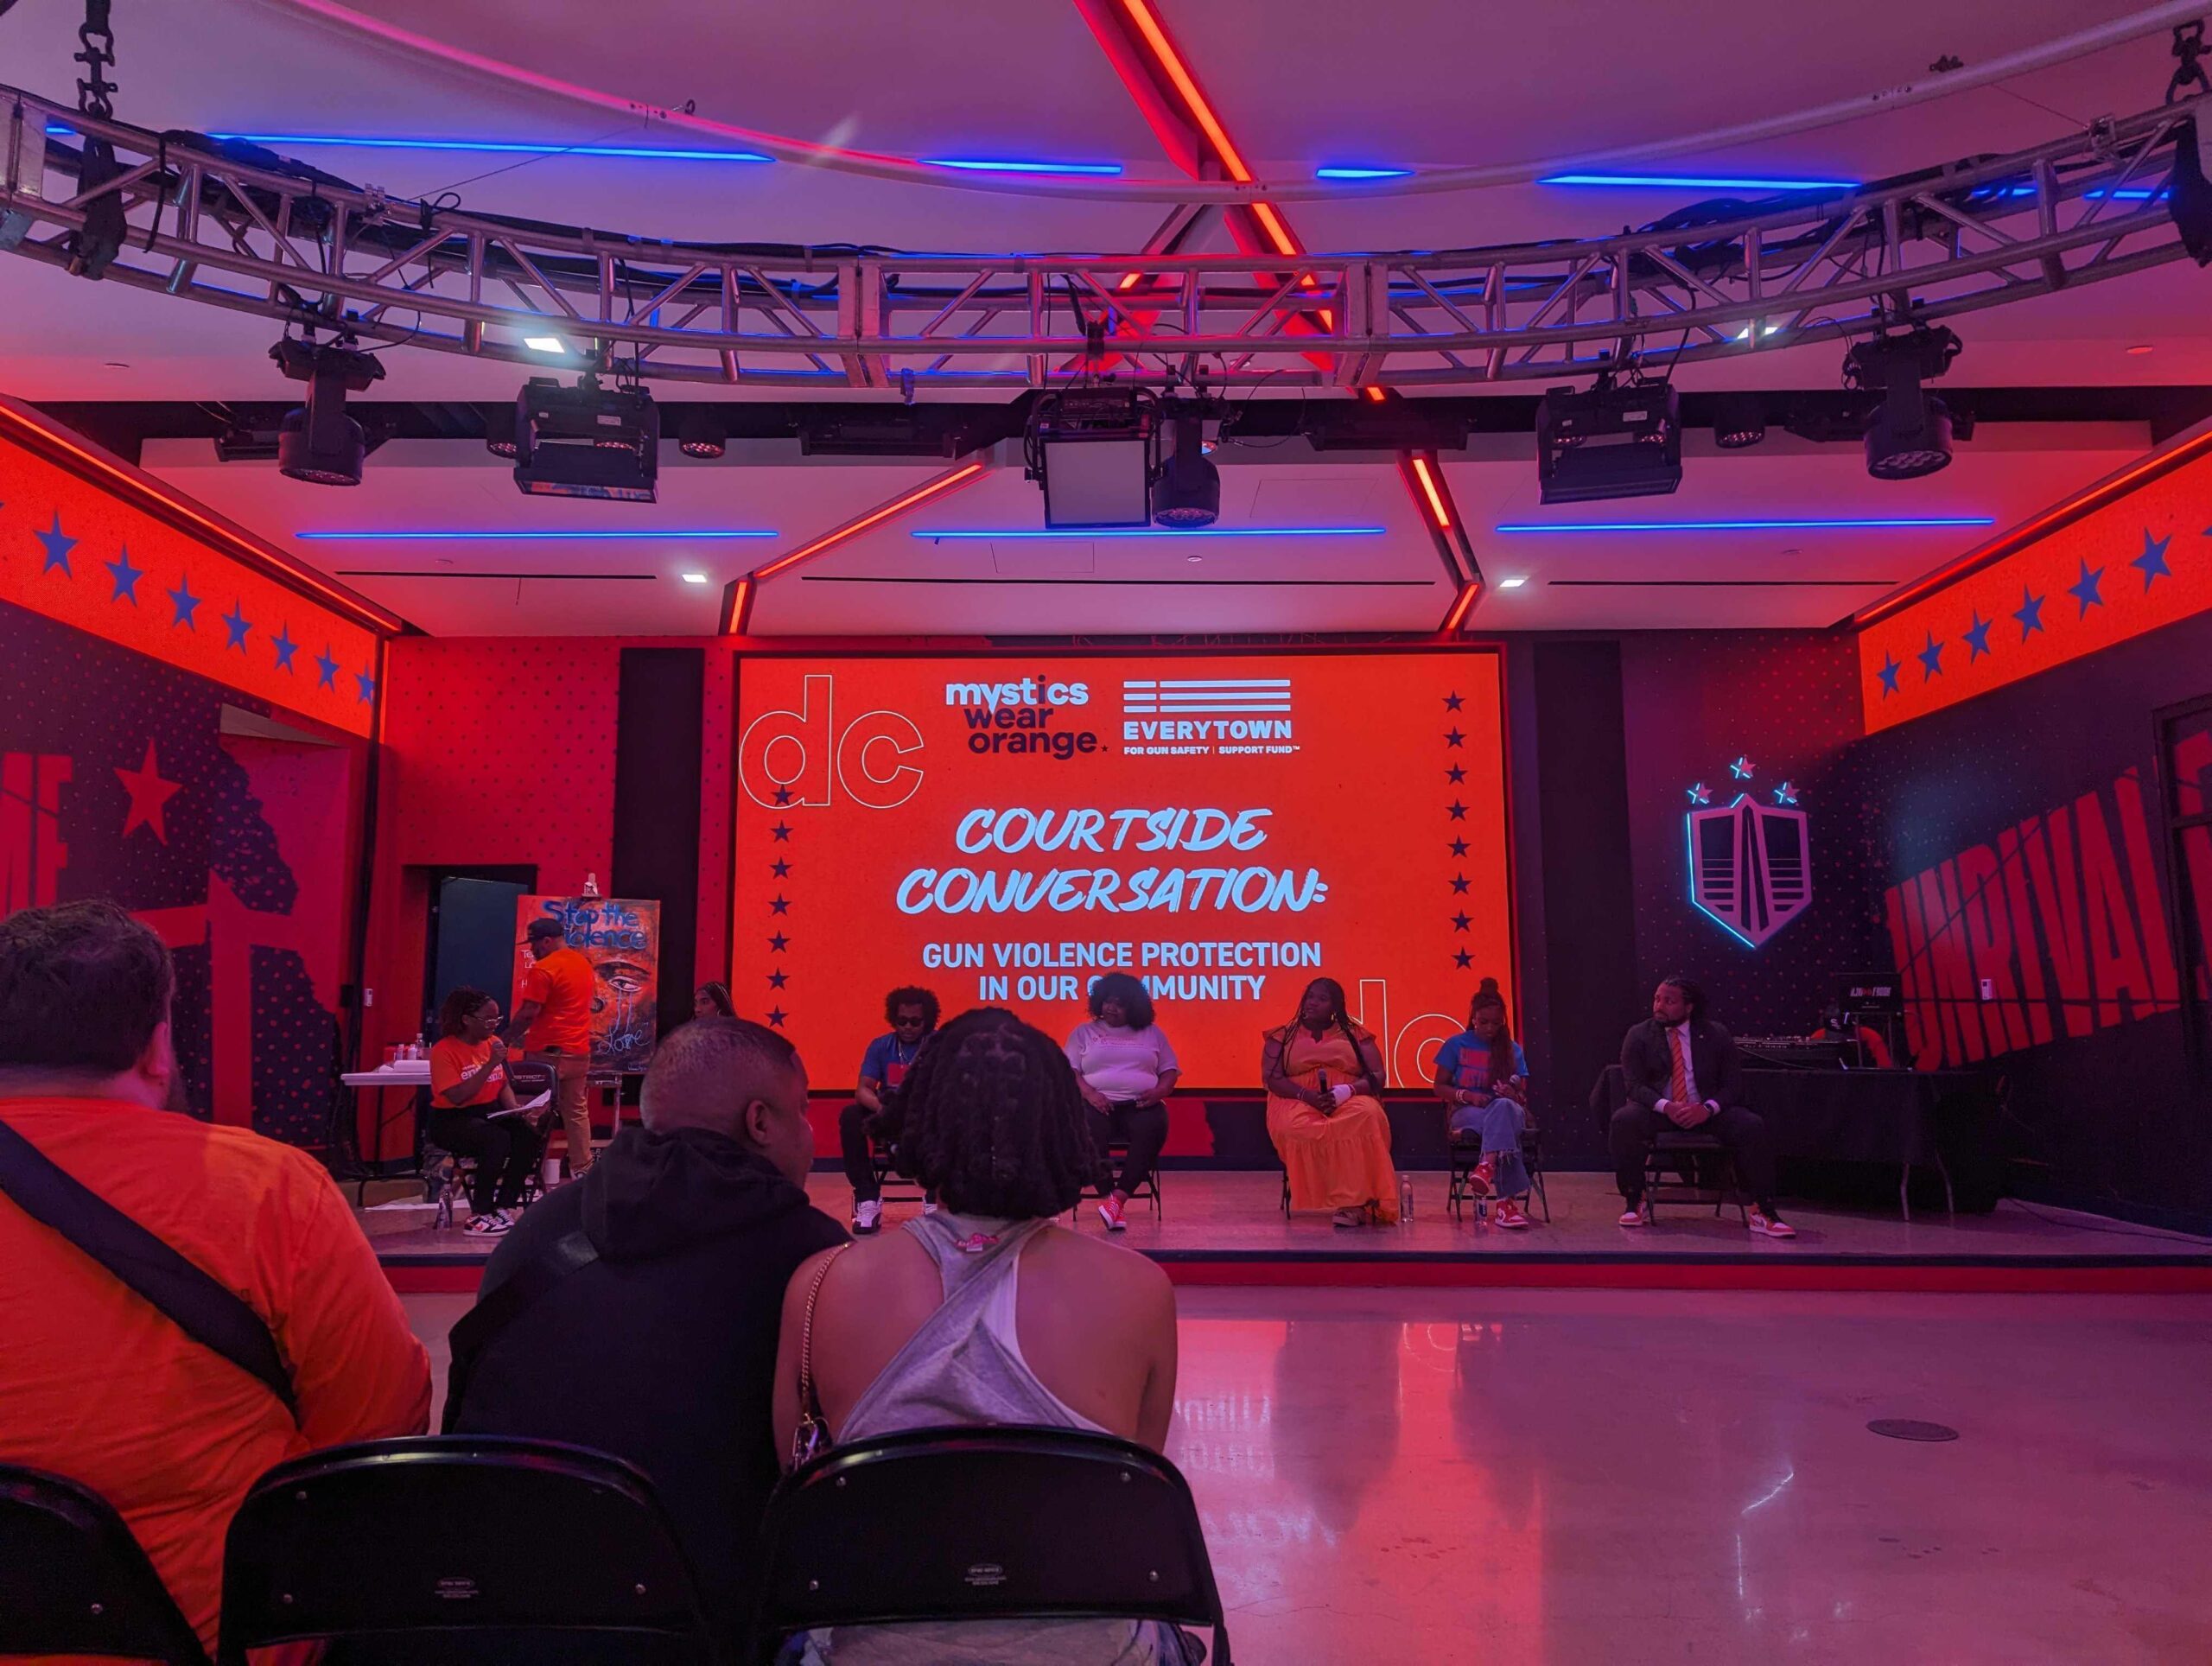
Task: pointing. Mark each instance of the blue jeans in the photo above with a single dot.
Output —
(1500, 1121)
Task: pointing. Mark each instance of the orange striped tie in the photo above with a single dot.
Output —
(1678, 1084)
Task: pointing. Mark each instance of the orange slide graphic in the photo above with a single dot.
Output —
(1003, 829)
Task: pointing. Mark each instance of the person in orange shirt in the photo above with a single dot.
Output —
(473, 1112)
(553, 1017)
(96, 1382)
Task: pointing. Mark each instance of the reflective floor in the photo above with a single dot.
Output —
(1431, 1475)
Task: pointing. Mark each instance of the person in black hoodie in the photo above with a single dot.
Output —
(660, 1346)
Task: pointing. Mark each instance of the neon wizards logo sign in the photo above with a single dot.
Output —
(1750, 863)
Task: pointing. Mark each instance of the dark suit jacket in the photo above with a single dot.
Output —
(1649, 1063)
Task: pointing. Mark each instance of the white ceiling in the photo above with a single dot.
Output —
(1393, 81)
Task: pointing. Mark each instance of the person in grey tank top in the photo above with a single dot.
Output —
(988, 1311)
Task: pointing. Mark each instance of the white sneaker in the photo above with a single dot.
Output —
(868, 1217)
(490, 1224)
(1639, 1215)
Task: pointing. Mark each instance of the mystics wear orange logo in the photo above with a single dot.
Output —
(1226, 829)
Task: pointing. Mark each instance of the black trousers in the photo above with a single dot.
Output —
(504, 1152)
(1744, 1132)
(1143, 1129)
(852, 1141)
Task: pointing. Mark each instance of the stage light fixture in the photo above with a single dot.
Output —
(2189, 201)
(702, 434)
(318, 443)
(1613, 442)
(1738, 420)
(587, 441)
(1188, 493)
(1909, 432)
(1095, 451)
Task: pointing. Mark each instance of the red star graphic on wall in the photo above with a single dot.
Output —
(148, 794)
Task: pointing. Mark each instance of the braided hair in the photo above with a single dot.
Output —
(1501, 1047)
(1338, 1015)
(457, 1008)
(994, 1121)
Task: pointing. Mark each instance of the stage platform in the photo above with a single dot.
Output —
(1227, 1228)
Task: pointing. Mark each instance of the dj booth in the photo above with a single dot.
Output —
(1907, 1117)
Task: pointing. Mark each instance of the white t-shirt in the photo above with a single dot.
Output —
(1122, 1064)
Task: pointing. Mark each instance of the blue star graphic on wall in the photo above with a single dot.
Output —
(780, 869)
(1785, 794)
(1742, 768)
(1459, 883)
(1452, 738)
(781, 832)
(1455, 774)
(186, 604)
(777, 978)
(1451, 703)
(2153, 561)
(1463, 958)
(125, 576)
(1457, 811)
(367, 686)
(58, 546)
(778, 943)
(1977, 637)
(776, 1017)
(1700, 793)
(1460, 922)
(1888, 675)
(326, 669)
(235, 622)
(1458, 847)
(2029, 613)
(285, 649)
(783, 795)
(779, 905)
(2084, 590)
(1931, 658)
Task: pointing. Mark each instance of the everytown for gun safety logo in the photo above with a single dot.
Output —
(1160, 717)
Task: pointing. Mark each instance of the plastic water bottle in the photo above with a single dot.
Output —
(1405, 1199)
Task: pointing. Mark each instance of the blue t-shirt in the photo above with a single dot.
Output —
(1465, 1062)
(887, 1059)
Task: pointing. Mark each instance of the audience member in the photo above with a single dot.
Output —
(988, 1312)
(874, 1113)
(100, 1383)
(1482, 1076)
(712, 1000)
(1325, 1078)
(636, 1310)
(1126, 1069)
(1683, 1070)
(468, 1084)
(553, 1018)
(1865, 1048)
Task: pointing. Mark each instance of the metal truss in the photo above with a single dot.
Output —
(284, 241)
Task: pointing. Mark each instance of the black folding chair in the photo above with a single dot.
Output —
(75, 1581)
(461, 1548)
(1466, 1156)
(1671, 1168)
(1112, 1156)
(980, 1525)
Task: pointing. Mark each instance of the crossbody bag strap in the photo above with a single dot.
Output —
(812, 1434)
(194, 1300)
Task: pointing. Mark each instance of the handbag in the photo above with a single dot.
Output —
(191, 1299)
(811, 1439)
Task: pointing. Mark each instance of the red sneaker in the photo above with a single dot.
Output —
(1774, 1227)
(1508, 1213)
(1637, 1215)
(1482, 1179)
(1110, 1212)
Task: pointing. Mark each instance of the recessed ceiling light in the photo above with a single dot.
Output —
(2140, 347)
(695, 578)
(544, 344)
(1513, 583)
(124, 364)
(1194, 560)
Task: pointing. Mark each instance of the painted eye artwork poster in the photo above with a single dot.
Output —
(621, 938)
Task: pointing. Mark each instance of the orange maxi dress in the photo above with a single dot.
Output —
(1343, 1159)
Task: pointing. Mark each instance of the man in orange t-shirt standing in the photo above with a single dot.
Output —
(553, 1017)
(96, 1382)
